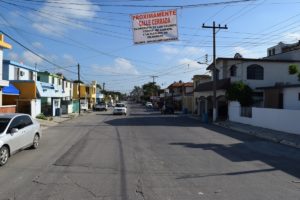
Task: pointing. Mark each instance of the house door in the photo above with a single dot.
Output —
(280, 101)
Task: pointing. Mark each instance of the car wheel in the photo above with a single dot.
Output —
(36, 141)
(4, 154)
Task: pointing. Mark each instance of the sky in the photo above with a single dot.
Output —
(98, 35)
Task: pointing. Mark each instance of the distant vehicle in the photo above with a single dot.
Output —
(17, 132)
(101, 107)
(149, 105)
(120, 109)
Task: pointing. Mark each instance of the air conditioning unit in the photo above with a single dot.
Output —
(22, 73)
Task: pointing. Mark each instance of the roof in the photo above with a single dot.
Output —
(10, 115)
(201, 77)
(279, 86)
(253, 59)
(10, 90)
(208, 86)
(20, 65)
(181, 84)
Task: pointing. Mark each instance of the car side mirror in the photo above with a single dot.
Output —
(13, 131)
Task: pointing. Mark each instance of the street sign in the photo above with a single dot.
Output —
(154, 27)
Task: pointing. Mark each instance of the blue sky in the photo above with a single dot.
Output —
(100, 37)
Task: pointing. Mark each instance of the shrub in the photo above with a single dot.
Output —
(240, 92)
(293, 69)
(41, 116)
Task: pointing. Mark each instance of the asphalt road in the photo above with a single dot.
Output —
(149, 156)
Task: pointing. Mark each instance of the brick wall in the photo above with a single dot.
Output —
(7, 109)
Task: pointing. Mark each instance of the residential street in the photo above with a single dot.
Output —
(146, 155)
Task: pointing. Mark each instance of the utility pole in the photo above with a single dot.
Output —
(153, 82)
(153, 78)
(214, 27)
(79, 88)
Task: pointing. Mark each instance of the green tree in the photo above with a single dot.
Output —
(240, 92)
(150, 89)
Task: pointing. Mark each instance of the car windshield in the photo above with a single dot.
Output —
(120, 105)
(3, 123)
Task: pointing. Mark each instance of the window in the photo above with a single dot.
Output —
(299, 96)
(52, 79)
(270, 52)
(273, 51)
(233, 70)
(27, 120)
(17, 72)
(3, 123)
(255, 72)
(30, 75)
(16, 123)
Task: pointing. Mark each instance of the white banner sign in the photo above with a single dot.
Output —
(155, 27)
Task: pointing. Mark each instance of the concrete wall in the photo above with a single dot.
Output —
(8, 109)
(276, 119)
(9, 73)
(35, 107)
(291, 98)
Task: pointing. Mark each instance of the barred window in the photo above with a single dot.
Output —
(233, 69)
(255, 72)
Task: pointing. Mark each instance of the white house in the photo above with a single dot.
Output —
(259, 74)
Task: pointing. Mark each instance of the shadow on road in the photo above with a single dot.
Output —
(278, 156)
(153, 120)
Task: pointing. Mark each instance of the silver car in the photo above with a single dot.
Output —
(17, 132)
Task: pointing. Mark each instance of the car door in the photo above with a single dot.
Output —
(14, 140)
(28, 130)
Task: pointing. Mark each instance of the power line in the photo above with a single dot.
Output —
(151, 6)
(33, 52)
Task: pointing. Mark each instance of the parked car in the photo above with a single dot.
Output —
(101, 106)
(120, 109)
(17, 132)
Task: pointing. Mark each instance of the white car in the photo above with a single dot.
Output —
(101, 106)
(17, 132)
(120, 109)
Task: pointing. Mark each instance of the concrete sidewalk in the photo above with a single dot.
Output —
(57, 120)
(268, 134)
(289, 139)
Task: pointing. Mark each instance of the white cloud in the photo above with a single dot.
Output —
(63, 19)
(245, 52)
(120, 66)
(291, 37)
(190, 50)
(13, 56)
(31, 58)
(169, 50)
(193, 65)
(69, 59)
(37, 45)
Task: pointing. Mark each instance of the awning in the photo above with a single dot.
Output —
(10, 90)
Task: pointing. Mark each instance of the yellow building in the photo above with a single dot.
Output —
(4, 83)
(87, 93)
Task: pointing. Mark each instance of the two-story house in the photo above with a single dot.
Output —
(87, 94)
(24, 78)
(181, 94)
(53, 89)
(4, 83)
(257, 73)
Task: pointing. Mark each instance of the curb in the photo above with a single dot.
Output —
(280, 139)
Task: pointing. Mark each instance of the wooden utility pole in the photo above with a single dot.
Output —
(79, 93)
(214, 27)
